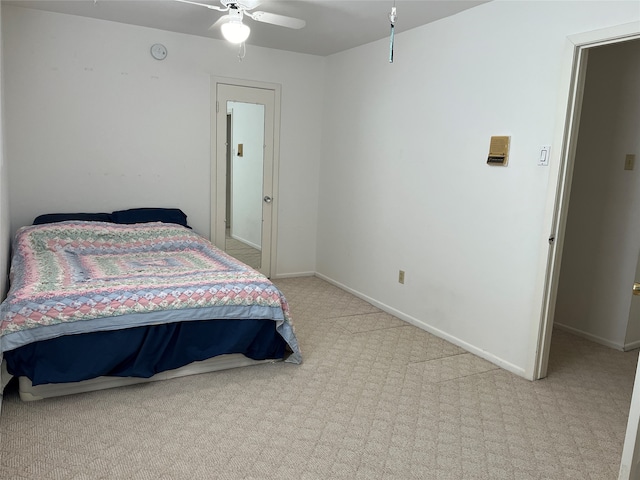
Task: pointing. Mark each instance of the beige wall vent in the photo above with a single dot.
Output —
(499, 151)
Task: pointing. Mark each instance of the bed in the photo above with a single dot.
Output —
(103, 300)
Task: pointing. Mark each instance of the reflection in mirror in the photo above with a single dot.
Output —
(245, 155)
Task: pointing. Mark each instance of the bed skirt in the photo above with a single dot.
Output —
(29, 392)
(135, 355)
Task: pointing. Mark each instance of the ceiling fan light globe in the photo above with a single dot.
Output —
(235, 32)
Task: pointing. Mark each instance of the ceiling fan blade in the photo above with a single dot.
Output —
(206, 5)
(220, 21)
(249, 4)
(275, 19)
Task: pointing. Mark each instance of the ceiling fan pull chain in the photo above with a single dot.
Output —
(242, 51)
(393, 16)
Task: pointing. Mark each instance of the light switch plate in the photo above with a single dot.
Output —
(543, 155)
(629, 161)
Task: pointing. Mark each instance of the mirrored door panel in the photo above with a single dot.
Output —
(244, 203)
(245, 193)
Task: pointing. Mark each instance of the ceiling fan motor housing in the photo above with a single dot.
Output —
(236, 5)
(235, 15)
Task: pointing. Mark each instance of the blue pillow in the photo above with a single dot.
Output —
(145, 215)
(62, 217)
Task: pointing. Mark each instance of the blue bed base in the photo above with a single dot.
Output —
(143, 351)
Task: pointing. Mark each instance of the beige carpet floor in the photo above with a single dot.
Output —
(242, 251)
(374, 399)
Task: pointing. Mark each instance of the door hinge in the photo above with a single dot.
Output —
(552, 239)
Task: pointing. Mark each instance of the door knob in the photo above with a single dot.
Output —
(267, 199)
(636, 288)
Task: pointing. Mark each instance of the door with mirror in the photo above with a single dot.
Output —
(244, 193)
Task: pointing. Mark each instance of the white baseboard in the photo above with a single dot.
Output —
(631, 346)
(246, 242)
(294, 275)
(432, 330)
(591, 337)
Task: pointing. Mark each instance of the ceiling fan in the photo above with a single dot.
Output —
(231, 26)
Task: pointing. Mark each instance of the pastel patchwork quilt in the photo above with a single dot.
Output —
(76, 277)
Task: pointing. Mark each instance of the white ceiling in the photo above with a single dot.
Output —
(332, 25)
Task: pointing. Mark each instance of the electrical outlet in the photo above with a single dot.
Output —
(401, 277)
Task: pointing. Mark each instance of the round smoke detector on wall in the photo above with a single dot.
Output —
(158, 51)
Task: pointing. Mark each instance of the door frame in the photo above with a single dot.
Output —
(218, 165)
(560, 177)
(630, 458)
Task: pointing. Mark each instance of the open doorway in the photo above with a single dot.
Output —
(594, 244)
(561, 175)
(602, 235)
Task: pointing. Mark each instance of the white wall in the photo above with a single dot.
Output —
(5, 236)
(94, 123)
(404, 183)
(602, 240)
(4, 193)
(247, 172)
